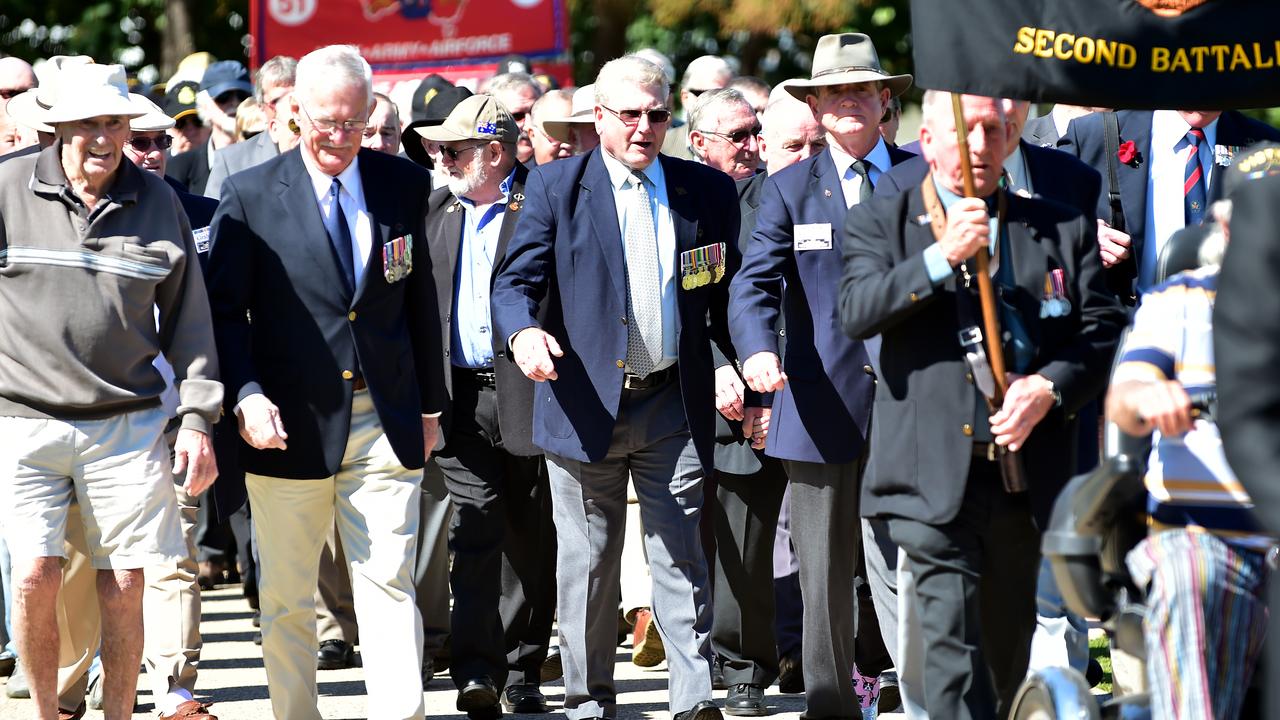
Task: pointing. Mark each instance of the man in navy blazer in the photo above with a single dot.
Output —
(1155, 160)
(628, 253)
(324, 312)
(822, 402)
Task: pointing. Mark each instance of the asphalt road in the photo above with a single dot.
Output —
(232, 676)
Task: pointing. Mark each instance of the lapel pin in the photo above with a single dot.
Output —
(827, 193)
(680, 191)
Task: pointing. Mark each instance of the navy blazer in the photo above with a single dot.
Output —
(287, 327)
(1054, 174)
(566, 259)
(1085, 140)
(925, 400)
(823, 412)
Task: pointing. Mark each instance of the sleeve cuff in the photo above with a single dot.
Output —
(936, 265)
(195, 421)
(430, 416)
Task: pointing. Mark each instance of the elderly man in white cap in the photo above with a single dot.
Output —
(824, 385)
(578, 128)
(548, 147)
(103, 249)
(26, 109)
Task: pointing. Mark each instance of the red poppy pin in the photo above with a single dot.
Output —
(1128, 154)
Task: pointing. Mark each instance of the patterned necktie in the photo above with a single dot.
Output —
(861, 169)
(644, 288)
(1193, 192)
(340, 235)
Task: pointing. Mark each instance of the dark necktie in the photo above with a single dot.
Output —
(1193, 190)
(861, 168)
(340, 236)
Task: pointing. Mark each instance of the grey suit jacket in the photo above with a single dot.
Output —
(241, 156)
(1041, 131)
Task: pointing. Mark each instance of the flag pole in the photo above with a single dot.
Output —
(986, 293)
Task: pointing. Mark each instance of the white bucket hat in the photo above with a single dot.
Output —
(28, 108)
(581, 113)
(86, 91)
(153, 120)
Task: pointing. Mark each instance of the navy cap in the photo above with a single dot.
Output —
(226, 76)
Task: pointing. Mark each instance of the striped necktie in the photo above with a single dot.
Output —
(1193, 185)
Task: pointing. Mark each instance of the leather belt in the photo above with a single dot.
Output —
(652, 380)
(479, 376)
(359, 384)
(985, 450)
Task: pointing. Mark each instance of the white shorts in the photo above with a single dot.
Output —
(117, 469)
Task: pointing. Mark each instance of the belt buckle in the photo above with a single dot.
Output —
(627, 380)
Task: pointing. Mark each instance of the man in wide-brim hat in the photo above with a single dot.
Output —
(825, 393)
(98, 279)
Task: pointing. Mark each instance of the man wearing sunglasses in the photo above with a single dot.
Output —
(603, 299)
(824, 386)
(517, 92)
(725, 133)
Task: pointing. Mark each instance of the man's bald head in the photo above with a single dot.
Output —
(790, 134)
(16, 77)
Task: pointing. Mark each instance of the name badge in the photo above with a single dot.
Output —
(397, 258)
(812, 236)
(201, 236)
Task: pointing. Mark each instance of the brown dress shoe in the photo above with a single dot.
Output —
(191, 710)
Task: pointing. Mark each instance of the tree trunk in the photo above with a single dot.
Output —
(753, 51)
(176, 39)
(610, 38)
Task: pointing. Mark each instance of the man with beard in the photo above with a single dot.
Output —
(503, 572)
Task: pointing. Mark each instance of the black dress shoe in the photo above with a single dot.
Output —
(335, 655)
(790, 675)
(479, 699)
(745, 700)
(717, 675)
(524, 699)
(553, 666)
(705, 710)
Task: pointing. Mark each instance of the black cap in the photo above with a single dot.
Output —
(427, 89)
(441, 104)
(226, 76)
(514, 64)
(180, 100)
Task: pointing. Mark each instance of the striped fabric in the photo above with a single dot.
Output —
(1205, 623)
(1188, 479)
(83, 259)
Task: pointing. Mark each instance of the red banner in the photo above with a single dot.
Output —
(399, 36)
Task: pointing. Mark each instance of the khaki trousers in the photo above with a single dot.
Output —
(374, 501)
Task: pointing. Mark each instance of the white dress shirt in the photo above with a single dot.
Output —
(359, 221)
(877, 162)
(664, 226)
(1165, 207)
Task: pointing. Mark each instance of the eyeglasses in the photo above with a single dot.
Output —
(143, 144)
(657, 116)
(455, 153)
(737, 137)
(328, 126)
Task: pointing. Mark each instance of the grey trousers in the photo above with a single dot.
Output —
(827, 534)
(651, 443)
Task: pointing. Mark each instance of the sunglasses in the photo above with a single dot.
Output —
(519, 116)
(657, 116)
(454, 154)
(144, 144)
(737, 137)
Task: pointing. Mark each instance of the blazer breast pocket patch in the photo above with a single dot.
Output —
(397, 258)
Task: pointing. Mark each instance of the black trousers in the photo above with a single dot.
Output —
(976, 593)
(503, 543)
(745, 516)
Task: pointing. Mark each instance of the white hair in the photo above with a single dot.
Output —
(657, 58)
(333, 67)
(514, 81)
(279, 70)
(629, 70)
(707, 66)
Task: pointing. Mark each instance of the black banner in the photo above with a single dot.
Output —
(1139, 54)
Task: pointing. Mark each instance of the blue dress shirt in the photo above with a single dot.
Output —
(472, 335)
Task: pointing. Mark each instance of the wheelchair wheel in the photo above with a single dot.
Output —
(1055, 694)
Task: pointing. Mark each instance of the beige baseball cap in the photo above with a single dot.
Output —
(479, 117)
